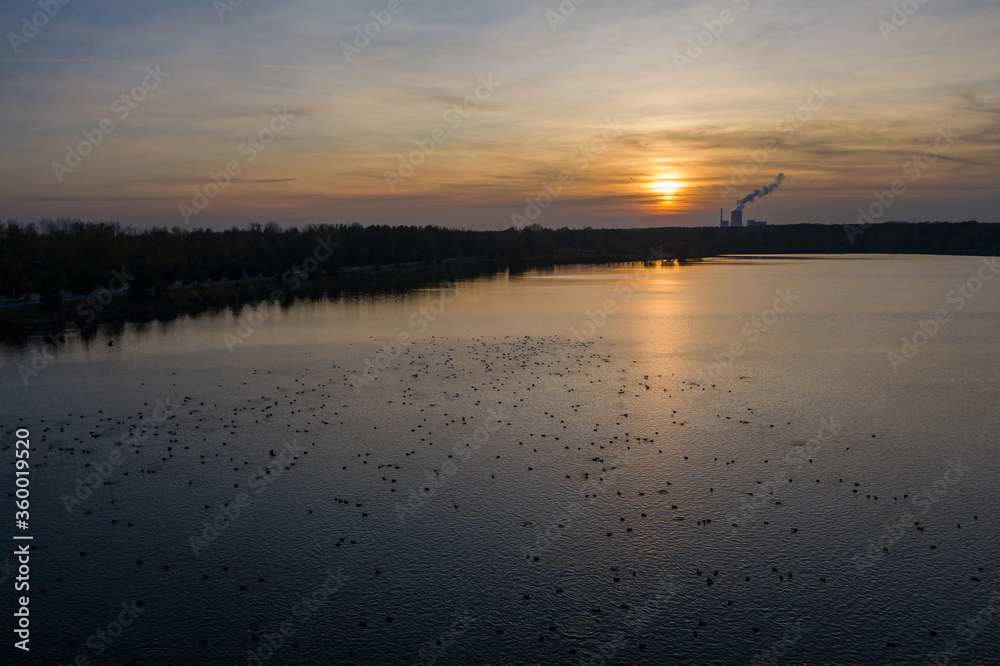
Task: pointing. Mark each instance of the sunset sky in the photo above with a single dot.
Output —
(540, 85)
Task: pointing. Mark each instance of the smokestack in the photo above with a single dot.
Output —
(761, 192)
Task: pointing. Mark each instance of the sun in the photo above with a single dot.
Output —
(667, 188)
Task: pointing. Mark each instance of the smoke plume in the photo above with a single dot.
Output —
(761, 192)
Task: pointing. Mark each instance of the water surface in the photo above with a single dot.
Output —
(597, 418)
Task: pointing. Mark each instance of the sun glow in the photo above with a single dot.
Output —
(667, 188)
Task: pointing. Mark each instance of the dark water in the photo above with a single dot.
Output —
(599, 419)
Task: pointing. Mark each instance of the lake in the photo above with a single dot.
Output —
(740, 460)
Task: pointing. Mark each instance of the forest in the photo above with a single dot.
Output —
(55, 256)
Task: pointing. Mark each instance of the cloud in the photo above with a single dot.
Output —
(354, 120)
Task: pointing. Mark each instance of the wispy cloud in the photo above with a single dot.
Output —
(355, 119)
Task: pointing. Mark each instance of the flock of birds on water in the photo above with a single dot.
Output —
(591, 410)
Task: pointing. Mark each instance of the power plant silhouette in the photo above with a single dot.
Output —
(736, 215)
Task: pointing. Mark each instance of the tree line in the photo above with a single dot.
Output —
(55, 255)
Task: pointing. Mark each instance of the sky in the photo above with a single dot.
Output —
(487, 115)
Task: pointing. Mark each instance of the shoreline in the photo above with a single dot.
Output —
(82, 315)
